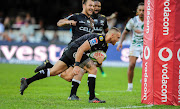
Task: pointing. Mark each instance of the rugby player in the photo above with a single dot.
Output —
(81, 24)
(136, 25)
(76, 54)
(100, 24)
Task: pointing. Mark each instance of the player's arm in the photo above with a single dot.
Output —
(83, 48)
(65, 21)
(129, 27)
(112, 16)
(125, 32)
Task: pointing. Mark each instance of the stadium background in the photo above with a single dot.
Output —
(52, 10)
(52, 93)
(45, 15)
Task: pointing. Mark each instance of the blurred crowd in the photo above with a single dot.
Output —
(24, 28)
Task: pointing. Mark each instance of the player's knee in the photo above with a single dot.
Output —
(94, 70)
(54, 72)
(132, 65)
(66, 77)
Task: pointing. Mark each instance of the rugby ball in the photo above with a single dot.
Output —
(97, 53)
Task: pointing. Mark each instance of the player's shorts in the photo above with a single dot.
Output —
(68, 57)
(136, 51)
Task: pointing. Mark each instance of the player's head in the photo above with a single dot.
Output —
(88, 7)
(97, 6)
(140, 10)
(113, 35)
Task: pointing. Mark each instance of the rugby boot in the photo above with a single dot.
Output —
(23, 86)
(73, 97)
(96, 100)
(46, 64)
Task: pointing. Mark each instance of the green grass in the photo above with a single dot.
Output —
(52, 93)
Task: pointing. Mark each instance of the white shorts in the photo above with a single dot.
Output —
(136, 51)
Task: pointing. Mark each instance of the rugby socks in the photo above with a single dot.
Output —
(42, 74)
(101, 69)
(75, 85)
(91, 84)
(130, 86)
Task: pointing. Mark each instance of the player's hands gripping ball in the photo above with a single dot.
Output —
(98, 56)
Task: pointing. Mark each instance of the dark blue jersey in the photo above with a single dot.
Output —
(83, 26)
(100, 23)
(96, 41)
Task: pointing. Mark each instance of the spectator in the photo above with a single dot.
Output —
(30, 18)
(19, 21)
(7, 23)
(9, 35)
(1, 29)
(41, 36)
(27, 32)
(55, 38)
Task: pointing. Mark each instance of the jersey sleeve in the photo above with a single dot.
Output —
(129, 25)
(71, 17)
(97, 39)
(93, 41)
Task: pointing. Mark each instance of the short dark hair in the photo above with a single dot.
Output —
(140, 4)
(84, 1)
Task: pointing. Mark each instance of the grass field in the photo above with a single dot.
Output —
(52, 93)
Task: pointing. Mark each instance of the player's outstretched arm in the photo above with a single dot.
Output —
(65, 21)
(122, 39)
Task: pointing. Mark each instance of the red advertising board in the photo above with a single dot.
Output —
(161, 63)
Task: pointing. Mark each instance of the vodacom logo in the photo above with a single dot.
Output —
(146, 52)
(167, 50)
(178, 54)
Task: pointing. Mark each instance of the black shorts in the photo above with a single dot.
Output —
(68, 57)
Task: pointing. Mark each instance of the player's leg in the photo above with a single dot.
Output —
(102, 71)
(75, 84)
(92, 69)
(77, 79)
(132, 63)
(59, 67)
(67, 74)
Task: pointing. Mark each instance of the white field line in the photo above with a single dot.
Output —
(117, 91)
(122, 107)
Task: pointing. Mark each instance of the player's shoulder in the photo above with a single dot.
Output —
(72, 15)
(76, 14)
(135, 19)
(101, 15)
(100, 36)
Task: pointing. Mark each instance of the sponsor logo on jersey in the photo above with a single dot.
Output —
(98, 28)
(93, 41)
(88, 21)
(85, 29)
(82, 21)
(101, 38)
